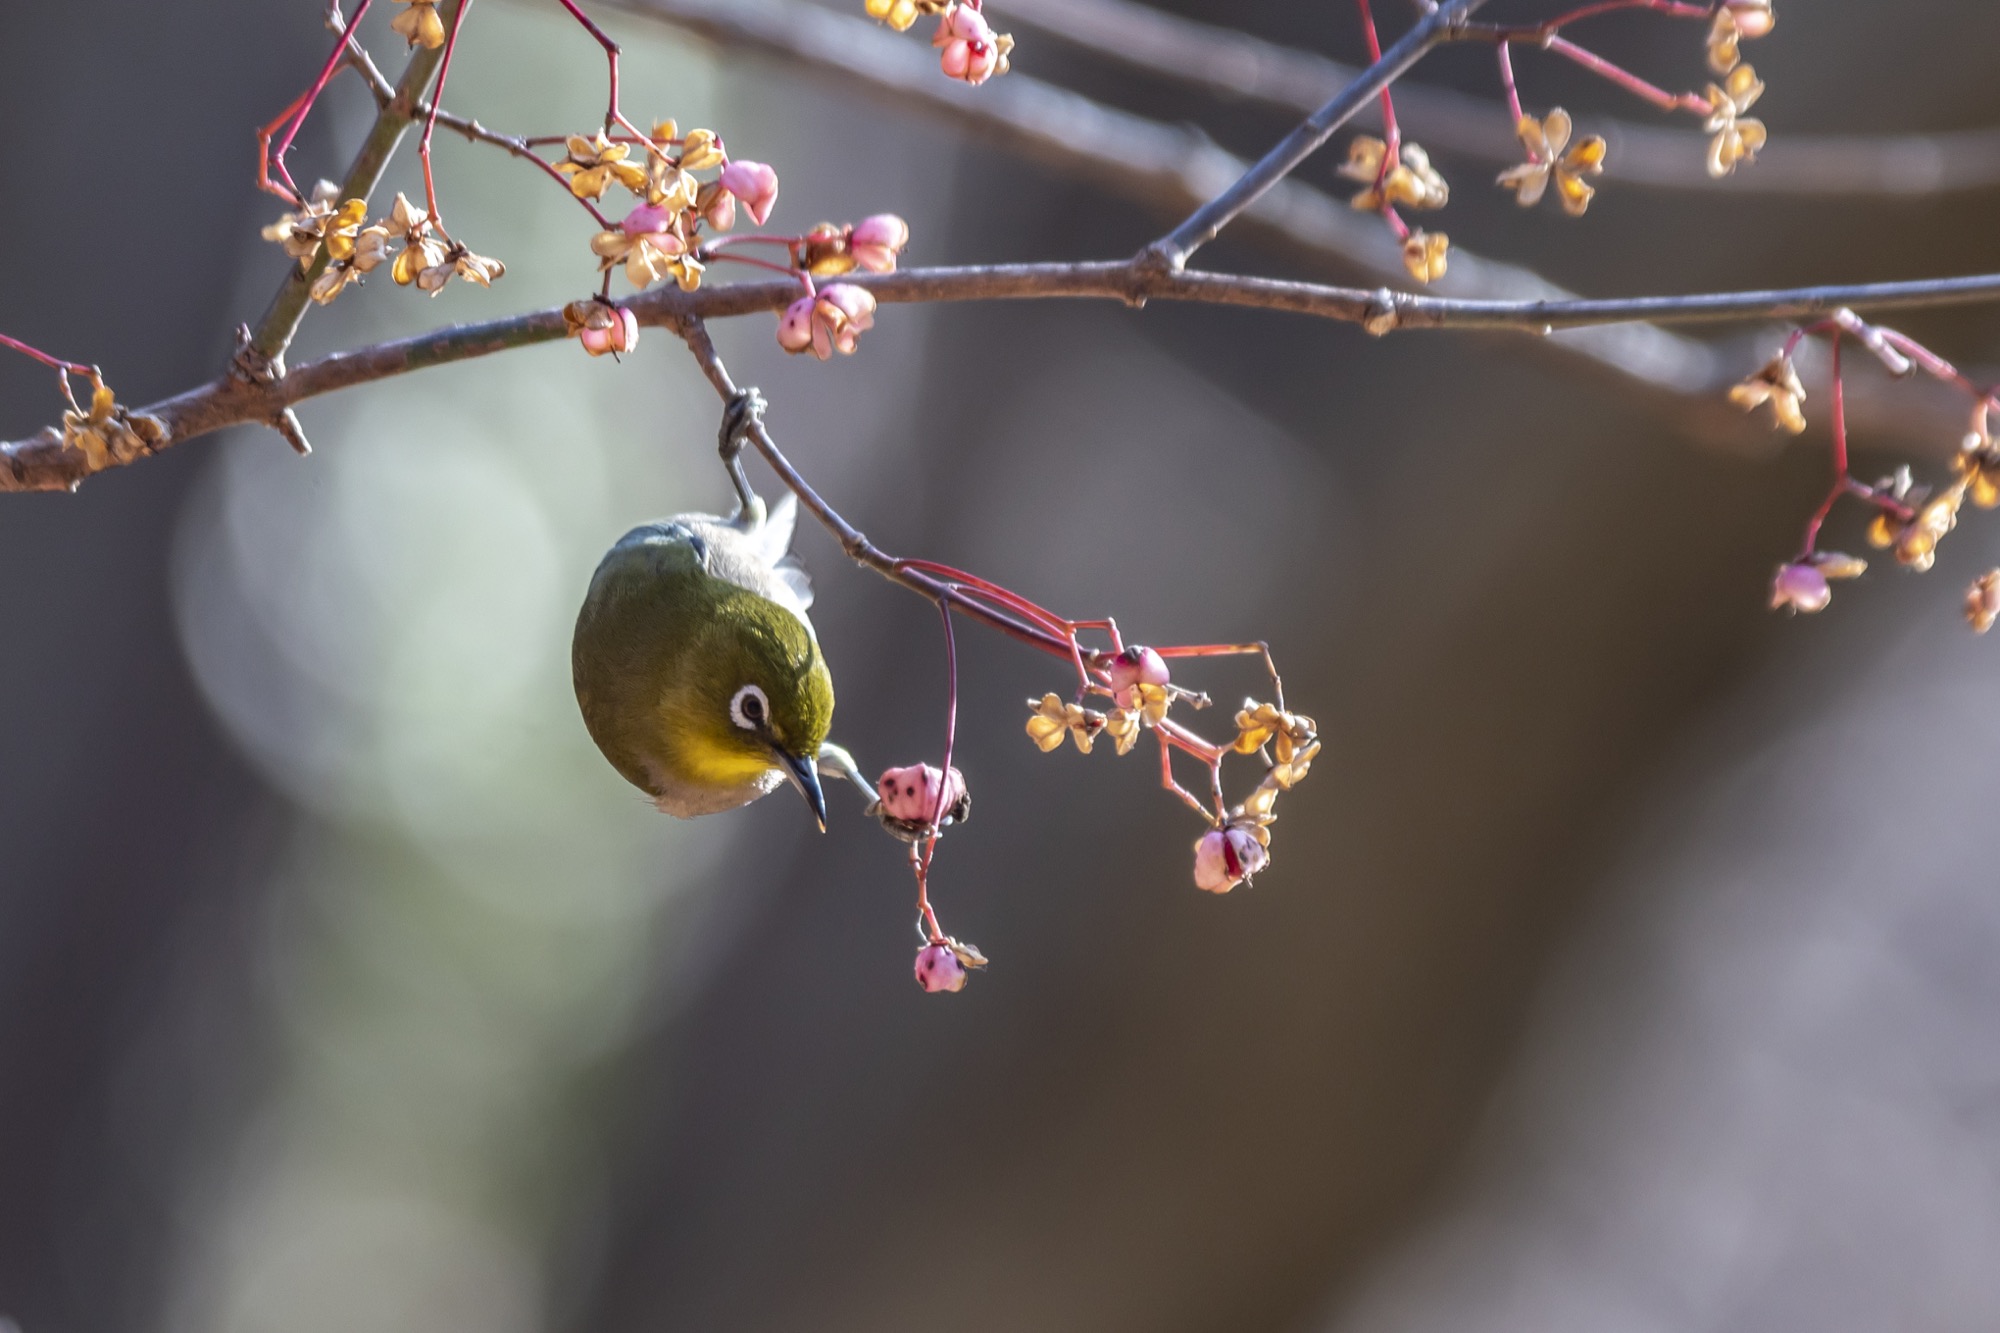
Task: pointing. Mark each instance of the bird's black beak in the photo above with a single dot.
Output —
(804, 774)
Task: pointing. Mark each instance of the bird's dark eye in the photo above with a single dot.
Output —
(749, 708)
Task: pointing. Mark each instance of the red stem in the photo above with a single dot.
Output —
(1629, 81)
(430, 122)
(55, 363)
(1840, 478)
(299, 109)
(1507, 82)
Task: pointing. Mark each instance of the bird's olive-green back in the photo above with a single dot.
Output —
(662, 646)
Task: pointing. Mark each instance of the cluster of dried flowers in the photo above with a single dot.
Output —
(1910, 519)
(918, 802)
(1394, 173)
(968, 48)
(1141, 693)
(408, 239)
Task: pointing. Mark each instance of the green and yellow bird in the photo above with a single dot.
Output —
(695, 664)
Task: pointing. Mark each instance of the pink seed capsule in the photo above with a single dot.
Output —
(795, 326)
(1137, 665)
(1802, 587)
(1225, 857)
(938, 969)
(918, 793)
(647, 220)
(877, 240)
(755, 183)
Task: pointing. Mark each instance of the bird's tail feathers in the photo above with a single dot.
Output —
(774, 535)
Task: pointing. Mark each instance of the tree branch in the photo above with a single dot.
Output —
(262, 356)
(1167, 167)
(44, 462)
(852, 540)
(1201, 226)
(1236, 66)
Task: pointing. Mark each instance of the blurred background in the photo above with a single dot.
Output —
(1627, 963)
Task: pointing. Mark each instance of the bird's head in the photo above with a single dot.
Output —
(758, 697)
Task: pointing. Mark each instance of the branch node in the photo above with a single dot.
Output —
(286, 423)
(252, 366)
(1381, 315)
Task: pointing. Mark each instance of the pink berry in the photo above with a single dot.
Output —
(938, 969)
(1137, 665)
(795, 329)
(1225, 857)
(647, 220)
(918, 793)
(1801, 587)
(876, 241)
(755, 184)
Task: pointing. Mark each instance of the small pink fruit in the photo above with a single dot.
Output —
(918, 793)
(841, 315)
(938, 969)
(1800, 586)
(755, 184)
(1225, 857)
(795, 330)
(621, 335)
(876, 241)
(967, 50)
(1137, 665)
(647, 220)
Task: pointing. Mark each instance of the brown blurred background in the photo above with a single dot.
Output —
(1627, 963)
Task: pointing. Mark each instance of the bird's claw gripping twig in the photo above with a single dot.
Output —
(743, 414)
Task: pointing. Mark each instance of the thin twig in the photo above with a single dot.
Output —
(262, 357)
(852, 540)
(43, 462)
(1174, 249)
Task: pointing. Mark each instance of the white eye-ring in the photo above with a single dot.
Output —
(750, 709)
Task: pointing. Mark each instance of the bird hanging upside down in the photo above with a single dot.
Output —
(695, 665)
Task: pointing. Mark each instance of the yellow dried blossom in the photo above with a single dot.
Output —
(1839, 565)
(1052, 719)
(107, 433)
(421, 250)
(901, 14)
(1288, 734)
(303, 231)
(1736, 137)
(1551, 156)
(1425, 254)
(1917, 542)
(1982, 601)
(595, 162)
(671, 187)
(476, 268)
(1737, 21)
(647, 256)
(701, 150)
(420, 24)
(1777, 384)
(1412, 180)
(1979, 463)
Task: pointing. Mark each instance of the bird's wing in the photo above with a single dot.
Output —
(752, 557)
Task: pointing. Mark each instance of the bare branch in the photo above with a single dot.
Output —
(1171, 168)
(263, 356)
(1201, 226)
(852, 540)
(1238, 67)
(45, 463)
